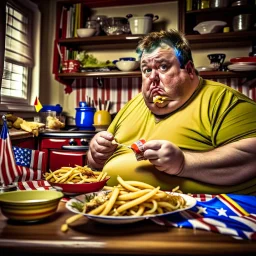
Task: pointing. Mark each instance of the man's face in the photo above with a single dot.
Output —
(161, 75)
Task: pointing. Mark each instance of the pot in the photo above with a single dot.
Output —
(141, 24)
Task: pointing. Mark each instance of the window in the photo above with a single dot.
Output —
(19, 57)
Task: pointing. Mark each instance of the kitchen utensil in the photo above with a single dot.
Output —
(53, 111)
(204, 68)
(102, 117)
(141, 24)
(86, 32)
(69, 189)
(84, 116)
(115, 25)
(216, 60)
(127, 65)
(114, 142)
(70, 66)
(29, 206)
(190, 202)
(242, 22)
(242, 67)
(207, 27)
(246, 60)
(219, 3)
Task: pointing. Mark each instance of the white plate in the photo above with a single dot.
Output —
(237, 67)
(125, 219)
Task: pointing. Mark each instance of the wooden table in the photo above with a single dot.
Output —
(91, 238)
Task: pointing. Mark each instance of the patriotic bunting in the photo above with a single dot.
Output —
(228, 214)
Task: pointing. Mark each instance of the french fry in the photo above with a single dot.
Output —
(111, 201)
(131, 198)
(137, 201)
(75, 175)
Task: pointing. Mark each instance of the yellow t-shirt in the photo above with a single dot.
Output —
(214, 116)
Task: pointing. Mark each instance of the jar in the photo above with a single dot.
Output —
(84, 117)
(205, 4)
(70, 66)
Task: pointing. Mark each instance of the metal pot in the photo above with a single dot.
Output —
(242, 22)
(219, 3)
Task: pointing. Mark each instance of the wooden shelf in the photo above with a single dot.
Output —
(217, 40)
(204, 74)
(126, 41)
(108, 74)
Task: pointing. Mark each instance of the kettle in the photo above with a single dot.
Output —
(84, 117)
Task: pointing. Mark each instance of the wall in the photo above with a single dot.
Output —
(51, 92)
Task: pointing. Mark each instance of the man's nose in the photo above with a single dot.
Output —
(154, 76)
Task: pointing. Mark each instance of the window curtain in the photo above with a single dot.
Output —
(2, 37)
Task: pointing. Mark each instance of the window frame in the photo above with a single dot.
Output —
(9, 103)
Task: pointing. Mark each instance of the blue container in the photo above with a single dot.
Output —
(57, 108)
(84, 117)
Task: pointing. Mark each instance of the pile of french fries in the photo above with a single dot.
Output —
(74, 175)
(132, 198)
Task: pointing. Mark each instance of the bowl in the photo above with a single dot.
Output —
(71, 189)
(85, 32)
(116, 26)
(29, 205)
(127, 65)
(208, 27)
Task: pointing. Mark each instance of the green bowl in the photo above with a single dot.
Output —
(29, 206)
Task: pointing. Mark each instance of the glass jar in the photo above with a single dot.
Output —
(205, 4)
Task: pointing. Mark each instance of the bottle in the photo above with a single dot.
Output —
(189, 5)
(205, 4)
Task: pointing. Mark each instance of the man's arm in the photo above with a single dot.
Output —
(227, 165)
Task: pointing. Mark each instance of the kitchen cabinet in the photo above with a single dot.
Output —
(65, 148)
(187, 21)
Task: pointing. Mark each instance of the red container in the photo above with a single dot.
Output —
(70, 66)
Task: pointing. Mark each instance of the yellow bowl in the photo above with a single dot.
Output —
(29, 206)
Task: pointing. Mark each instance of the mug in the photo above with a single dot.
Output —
(102, 117)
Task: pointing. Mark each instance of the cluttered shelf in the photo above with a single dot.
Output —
(204, 74)
(102, 42)
(215, 40)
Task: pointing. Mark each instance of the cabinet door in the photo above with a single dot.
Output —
(61, 158)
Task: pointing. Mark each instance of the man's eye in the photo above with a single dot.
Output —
(163, 67)
(147, 71)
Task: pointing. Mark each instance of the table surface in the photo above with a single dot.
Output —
(91, 238)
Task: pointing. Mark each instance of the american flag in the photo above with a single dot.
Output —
(227, 214)
(30, 162)
(10, 169)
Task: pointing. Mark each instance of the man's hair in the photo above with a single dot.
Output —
(172, 38)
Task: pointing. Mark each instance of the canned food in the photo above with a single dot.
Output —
(70, 66)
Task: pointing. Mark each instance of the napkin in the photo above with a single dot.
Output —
(227, 214)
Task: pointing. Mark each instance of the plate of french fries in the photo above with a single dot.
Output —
(128, 202)
(77, 180)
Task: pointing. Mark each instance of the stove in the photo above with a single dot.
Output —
(65, 148)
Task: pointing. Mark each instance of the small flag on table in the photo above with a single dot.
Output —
(38, 105)
(20, 164)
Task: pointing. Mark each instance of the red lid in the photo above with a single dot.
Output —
(243, 59)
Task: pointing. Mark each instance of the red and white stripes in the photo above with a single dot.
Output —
(120, 90)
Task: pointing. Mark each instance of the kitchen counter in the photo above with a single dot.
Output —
(19, 134)
(90, 238)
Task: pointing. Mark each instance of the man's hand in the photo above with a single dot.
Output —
(100, 150)
(165, 156)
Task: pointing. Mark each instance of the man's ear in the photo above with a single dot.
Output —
(189, 67)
